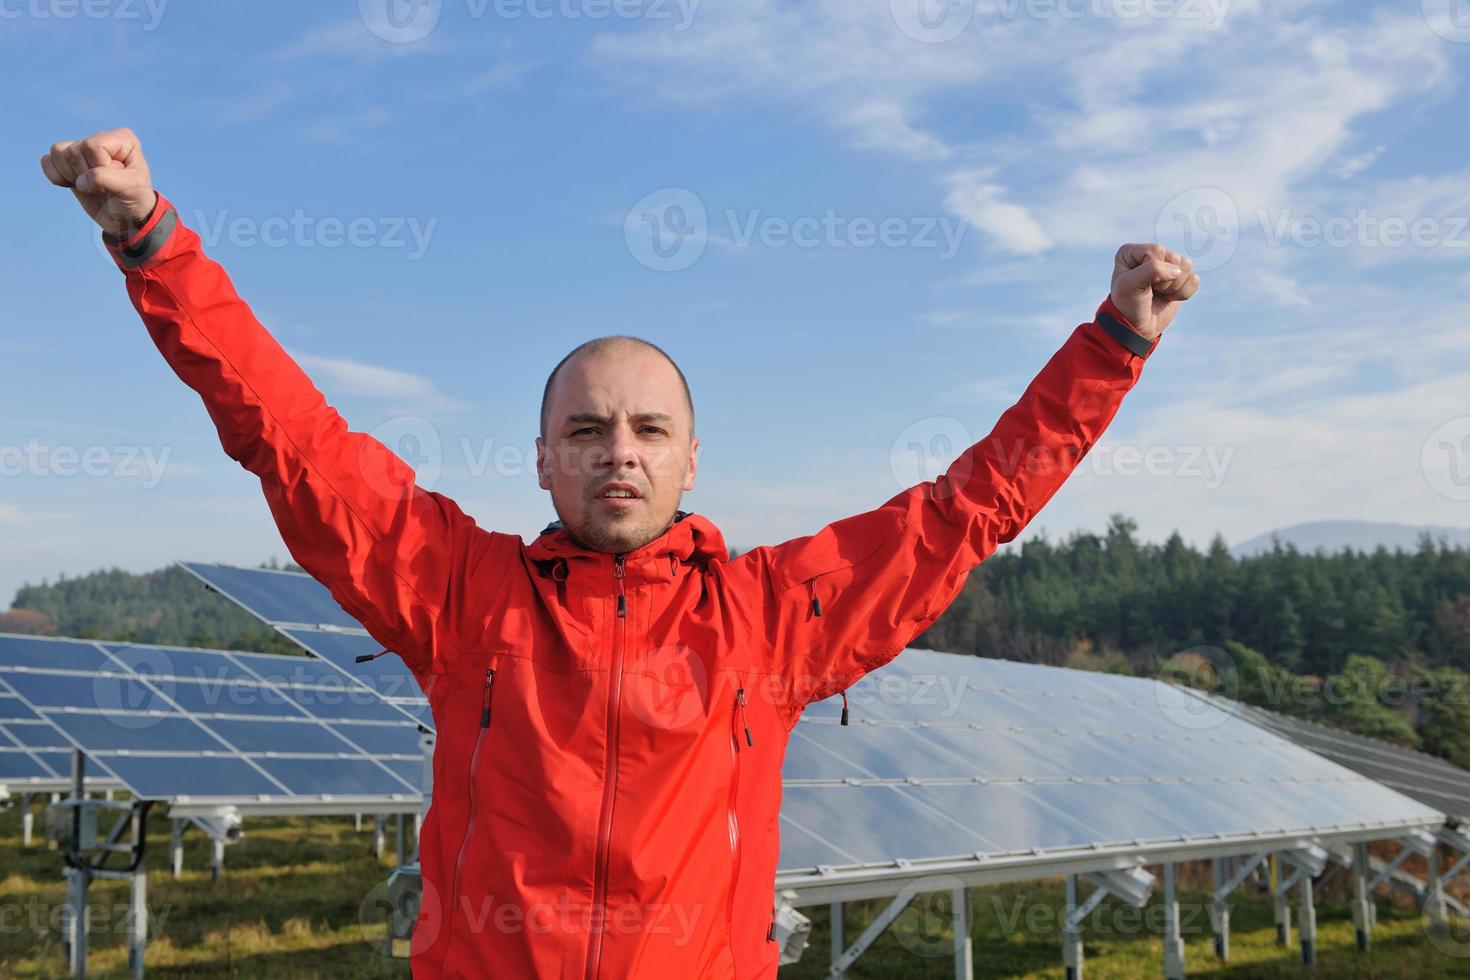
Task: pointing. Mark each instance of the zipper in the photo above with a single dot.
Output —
(610, 780)
(737, 721)
(811, 587)
(469, 830)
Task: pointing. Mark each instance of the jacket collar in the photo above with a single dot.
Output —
(691, 539)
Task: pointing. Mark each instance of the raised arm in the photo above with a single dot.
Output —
(396, 557)
(846, 600)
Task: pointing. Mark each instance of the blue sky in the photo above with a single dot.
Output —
(506, 166)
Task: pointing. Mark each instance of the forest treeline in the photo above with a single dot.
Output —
(1375, 642)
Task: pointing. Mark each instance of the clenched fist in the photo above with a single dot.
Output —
(107, 173)
(1149, 283)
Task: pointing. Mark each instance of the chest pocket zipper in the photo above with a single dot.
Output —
(486, 704)
(739, 725)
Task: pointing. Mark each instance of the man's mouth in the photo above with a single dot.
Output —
(619, 494)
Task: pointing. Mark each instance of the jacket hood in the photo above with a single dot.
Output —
(691, 540)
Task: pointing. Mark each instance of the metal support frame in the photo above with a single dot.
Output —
(1308, 916)
(27, 819)
(964, 944)
(1223, 887)
(1072, 929)
(1434, 903)
(1173, 941)
(74, 824)
(839, 942)
(1281, 902)
(1362, 898)
(869, 935)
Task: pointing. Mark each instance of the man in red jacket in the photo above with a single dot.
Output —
(613, 699)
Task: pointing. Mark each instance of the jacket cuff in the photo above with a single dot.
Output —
(1117, 326)
(134, 251)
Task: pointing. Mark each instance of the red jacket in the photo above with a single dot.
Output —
(611, 728)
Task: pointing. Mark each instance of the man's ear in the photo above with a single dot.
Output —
(693, 463)
(543, 470)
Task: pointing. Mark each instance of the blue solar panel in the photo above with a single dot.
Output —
(277, 597)
(34, 756)
(293, 603)
(195, 724)
(950, 756)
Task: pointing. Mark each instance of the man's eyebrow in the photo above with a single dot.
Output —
(604, 420)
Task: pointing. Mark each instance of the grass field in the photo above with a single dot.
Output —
(288, 903)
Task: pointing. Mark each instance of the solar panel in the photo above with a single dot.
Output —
(1432, 781)
(276, 596)
(200, 727)
(295, 604)
(957, 758)
(34, 756)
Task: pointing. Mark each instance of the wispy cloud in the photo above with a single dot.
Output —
(401, 392)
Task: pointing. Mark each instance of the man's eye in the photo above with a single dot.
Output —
(653, 428)
(582, 430)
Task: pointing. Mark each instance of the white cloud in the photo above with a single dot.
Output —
(402, 392)
(1010, 226)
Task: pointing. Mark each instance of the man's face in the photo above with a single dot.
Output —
(617, 417)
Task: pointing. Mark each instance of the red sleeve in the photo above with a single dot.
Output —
(849, 598)
(396, 557)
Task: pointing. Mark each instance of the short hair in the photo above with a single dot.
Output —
(600, 344)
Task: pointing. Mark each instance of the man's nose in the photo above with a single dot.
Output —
(623, 448)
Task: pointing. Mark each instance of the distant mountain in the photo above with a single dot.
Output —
(1334, 536)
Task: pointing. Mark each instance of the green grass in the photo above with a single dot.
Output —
(288, 904)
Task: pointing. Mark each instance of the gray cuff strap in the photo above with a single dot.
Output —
(144, 248)
(1134, 342)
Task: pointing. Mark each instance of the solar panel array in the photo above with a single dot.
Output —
(301, 608)
(257, 731)
(1430, 780)
(952, 756)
